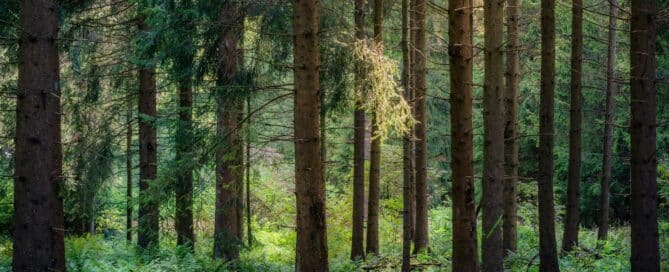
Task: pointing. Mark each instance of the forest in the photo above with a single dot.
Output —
(334, 135)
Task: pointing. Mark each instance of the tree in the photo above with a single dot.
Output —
(311, 248)
(422, 231)
(407, 147)
(493, 149)
(375, 153)
(570, 237)
(38, 223)
(128, 173)
(547, 244)
(645, 237)
(184, 136)
(227, 225)
(465, 256)
(607, 154)
(148, 230)
(511, 146)
(357, 239)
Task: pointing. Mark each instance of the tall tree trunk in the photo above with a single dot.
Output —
(357, 239)
(570, 237)
(421, 235)
(375, 153)
(38, 222)
(148, 215)
(412, 103)
(493, 149)
(311, 249)
(645, 243)
(249, 227)
(510, 221)
(227, 219)
(184, 154)
(184, 139)
(611, 89)
(465, 249)
(407, 147)
(128, 173)
(547, 244)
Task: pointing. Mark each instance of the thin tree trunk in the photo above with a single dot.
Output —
(407, 147)
(148, 215)
(493, 149)
(375, 153)
(128, 171)
(611, 89)
(184, 154)
(421, 236)
(249, 227)
(38, 222)
(311, 248)
(547, 244)
(510, 221)
(412, 103)
(645, 237)
(357, 239)
(570, 237)
(465, 249)
(227, 227)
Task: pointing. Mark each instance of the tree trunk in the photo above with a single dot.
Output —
(645, 243)
(128, 172)
(357, 239)
(227, 219)
(421, 235)
(493, 149)
(148, 215)
(465, 249)
(547, 244)
(412, 103)
(611, 89)
(510, 221)
(38, 222)
(311, 248)
(249, 227)
(570, 237)
(375, 153)
(407, 147)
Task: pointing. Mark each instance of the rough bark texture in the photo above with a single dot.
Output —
(547, 244)
(311, 249)
(412, 103)
(148, 215)
(421, 235)
(607, 152)
(128, 173)
(570, 237)
(38, 224)
(357, 240)
(465, 249)
(645, 239)
(227, 221)
(511, 147)
(375, 152)
(407, 147)
(493, 125)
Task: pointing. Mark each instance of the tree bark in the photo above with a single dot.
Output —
(412, 103)
(421, 236)
(407, 147)
(375, 153)
(311, 248)
(249, 226)
(465, 249)
(547, 244)
(493, 149)
(38, 222)
(511, 147)
(611, 90)
(148, 215)
(645, 237)
(128, 172)
(357, 239)
(571, 224)
(227, 227)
